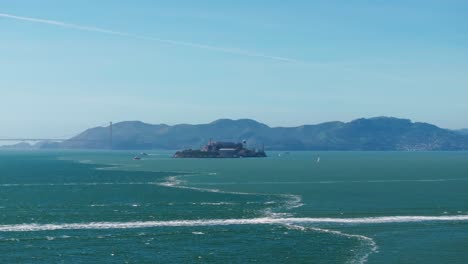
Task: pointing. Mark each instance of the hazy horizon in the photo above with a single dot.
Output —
(196, 123)
(69, 66)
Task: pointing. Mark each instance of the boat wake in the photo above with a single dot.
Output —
(290, 221)
(291, 201)
(176, 182)
(367, 241)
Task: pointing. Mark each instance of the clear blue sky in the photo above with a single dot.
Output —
(282, 63)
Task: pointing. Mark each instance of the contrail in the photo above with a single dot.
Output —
(168, 41)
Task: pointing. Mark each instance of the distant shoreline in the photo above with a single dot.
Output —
(364, 134)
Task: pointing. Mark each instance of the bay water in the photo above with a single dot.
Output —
(351, 207)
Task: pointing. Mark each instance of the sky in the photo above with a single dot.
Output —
(66, 66)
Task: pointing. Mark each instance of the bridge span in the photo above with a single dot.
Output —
(34, 139)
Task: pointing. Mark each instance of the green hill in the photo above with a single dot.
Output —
(380, 133)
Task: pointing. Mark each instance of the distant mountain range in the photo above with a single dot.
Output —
(379, 133)
(20, 146)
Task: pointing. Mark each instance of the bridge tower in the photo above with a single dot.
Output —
(110, 135)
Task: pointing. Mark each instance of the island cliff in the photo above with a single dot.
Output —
(221, 150)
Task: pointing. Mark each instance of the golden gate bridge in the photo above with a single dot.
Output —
(39, 139)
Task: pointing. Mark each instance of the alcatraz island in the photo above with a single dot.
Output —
(222, 150)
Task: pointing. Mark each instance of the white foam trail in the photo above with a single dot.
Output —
(128, 35)
(360, 259)
(292, 200)
(216, 203)
(226, 222)
(269, 213)
(98, 205)
(175, 182)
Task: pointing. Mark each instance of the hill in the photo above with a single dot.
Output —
(379, 133)
(18, 146)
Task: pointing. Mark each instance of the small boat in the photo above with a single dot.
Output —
(318, 159)
(136, 158)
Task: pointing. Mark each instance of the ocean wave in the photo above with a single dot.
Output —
(226, 222)
(269, 213)
(292, 201)
(367, 241)
(216, 203)
(176, 182)
(98, 205)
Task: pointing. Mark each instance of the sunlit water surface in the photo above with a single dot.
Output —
(351, 207)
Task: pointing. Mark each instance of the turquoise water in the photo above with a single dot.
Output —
(352, 207)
